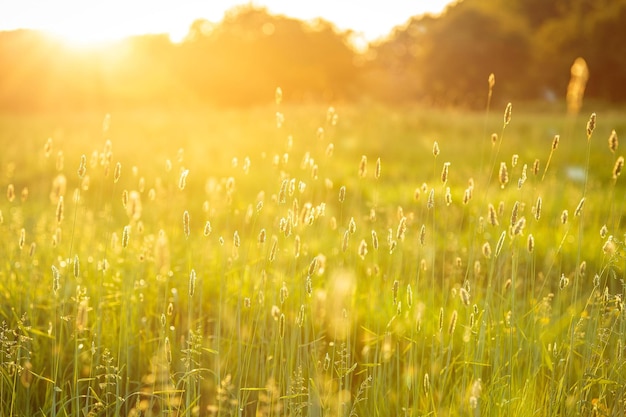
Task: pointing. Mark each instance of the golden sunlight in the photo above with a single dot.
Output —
(87, 22)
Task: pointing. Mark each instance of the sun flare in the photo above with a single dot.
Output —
(87, 22)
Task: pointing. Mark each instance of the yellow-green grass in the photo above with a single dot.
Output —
(151, 318)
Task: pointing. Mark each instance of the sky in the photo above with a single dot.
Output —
(88, 21)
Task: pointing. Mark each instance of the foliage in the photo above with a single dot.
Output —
(436, 60)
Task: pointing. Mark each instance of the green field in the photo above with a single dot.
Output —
(209, 262)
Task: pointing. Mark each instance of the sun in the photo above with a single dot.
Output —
(86, 23)
(81, 38)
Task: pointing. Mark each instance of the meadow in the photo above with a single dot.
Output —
(303, 260)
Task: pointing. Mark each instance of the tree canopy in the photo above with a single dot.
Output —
(442, 60)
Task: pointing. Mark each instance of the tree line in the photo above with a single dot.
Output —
(444, 60)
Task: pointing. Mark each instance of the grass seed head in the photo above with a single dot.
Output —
(609, 246)
(82, 168)
(133, 205)
(297, 245)
(342, 193)
(436, 150)
(59, 210)
(535, 168)
(518, 229)
(392, 246)
(452, 324)
(22, 239)
(486, 250)
(613, 142)
(125, 236)
(448, 197)
(47, 149)
(117, 173)
(464, 295)
(563, 282)
(125, 198)
(394, 291)
(530, 243)
(579, 207)
(352, 226)
(278, 95)
(493, 215)
(444, 172)
(186, 224)
(538, 206)
(284, 293)
(564, 216)
(491, 80)
(603, 231)
(280, 119)
(76, 266)
(363, 249)
(617, 168)
(192, 282)
(591, 125)
(430, 203)
(401, 229)
(281, 326)
(273, 249)
(507, 113)
(503, 175)
(374, 240)
(168, 350)
(514, 213)
(56, 280)
(377, 170)
(282, 194)
(330, 149)
(10, 193)
(363, 167)
(313, 267)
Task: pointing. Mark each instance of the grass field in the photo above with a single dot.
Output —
(209, 262)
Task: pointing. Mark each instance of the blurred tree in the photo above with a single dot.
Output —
(393, 69)
(530, 45)
(592, 30)
(446, 60)
(245, 57)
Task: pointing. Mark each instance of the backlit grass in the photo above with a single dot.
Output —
(210, 262)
